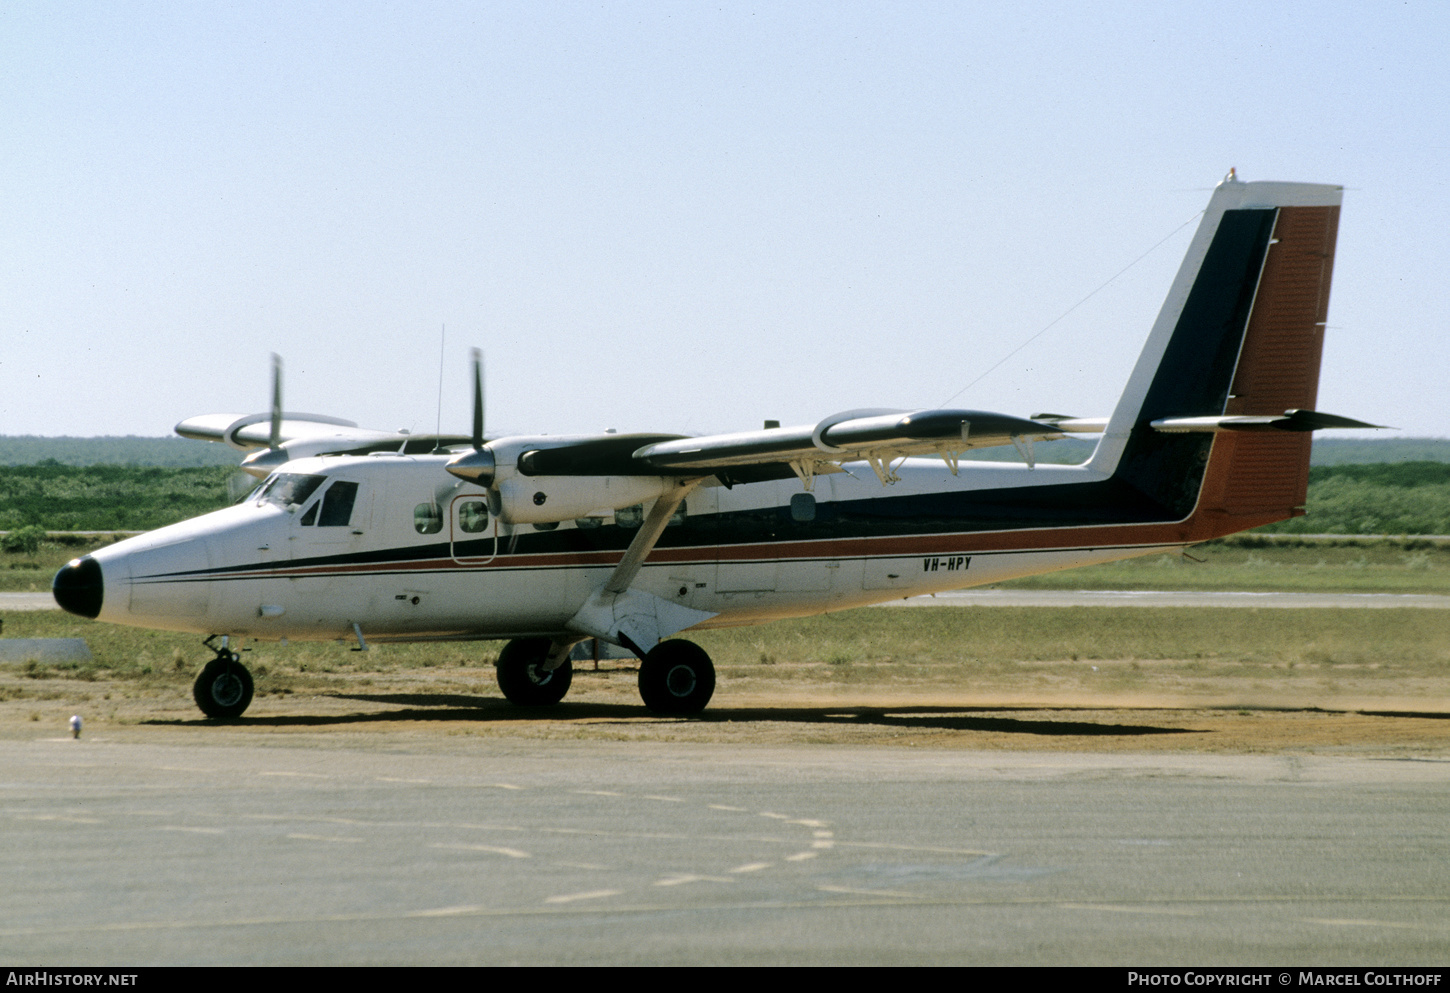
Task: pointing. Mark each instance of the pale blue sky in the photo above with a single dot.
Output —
(679, 216)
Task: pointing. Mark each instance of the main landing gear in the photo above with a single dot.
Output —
(523, 678)
(224, 688)
(675, 677)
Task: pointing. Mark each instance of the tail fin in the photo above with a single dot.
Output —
(1240, 333)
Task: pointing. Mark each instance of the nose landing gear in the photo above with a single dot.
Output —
(224, 688)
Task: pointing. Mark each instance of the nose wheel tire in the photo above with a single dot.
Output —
(523, 679)
(224, 688)
(676, 677)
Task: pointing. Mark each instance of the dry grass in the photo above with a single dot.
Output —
(930, 657)
(1259, 565)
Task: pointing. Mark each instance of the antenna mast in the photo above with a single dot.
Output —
(438, 428)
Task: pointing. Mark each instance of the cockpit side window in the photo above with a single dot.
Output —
(289, 489)
(337, 504)
(255, 493)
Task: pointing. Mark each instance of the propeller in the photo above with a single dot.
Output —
(262, 463)
(477, 466)
(274, 440)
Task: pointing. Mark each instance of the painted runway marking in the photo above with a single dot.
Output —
(329, 838)
(679, 879)
(752, 867)
(1350, 922)
(192, 830)
(63, 818)
(1113, 908)
(512, 853)
(587, 895)
(460, 911)
(892, 894)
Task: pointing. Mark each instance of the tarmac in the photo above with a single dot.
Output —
(222, 848)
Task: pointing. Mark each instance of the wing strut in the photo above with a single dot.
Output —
(630, 617)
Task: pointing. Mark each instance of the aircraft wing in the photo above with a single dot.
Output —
(877, 437)
(852, 436)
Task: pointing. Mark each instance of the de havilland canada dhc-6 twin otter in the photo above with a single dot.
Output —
(550, 541)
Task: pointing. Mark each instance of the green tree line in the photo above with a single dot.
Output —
(108, 497)
(1381, 498)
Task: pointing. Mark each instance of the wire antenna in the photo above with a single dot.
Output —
(1069, 310)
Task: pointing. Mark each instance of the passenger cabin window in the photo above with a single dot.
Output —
(472, 516)
(802, 507)
(427, 518)
(630, 517)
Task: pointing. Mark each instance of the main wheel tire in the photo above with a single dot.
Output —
(676, 677)
(523, 679)
(224, 688)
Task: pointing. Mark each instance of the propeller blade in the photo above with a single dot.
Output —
(276, 435)
(477, 399)
(478, 465)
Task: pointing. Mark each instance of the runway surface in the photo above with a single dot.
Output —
(27, 601)
(246, 849)
(1055, 598)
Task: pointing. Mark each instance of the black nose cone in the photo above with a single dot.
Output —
(78, 587)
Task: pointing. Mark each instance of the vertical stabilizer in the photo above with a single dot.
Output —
(1241, 332)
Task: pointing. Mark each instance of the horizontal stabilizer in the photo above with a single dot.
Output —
(1290, 420)
(1074, 425)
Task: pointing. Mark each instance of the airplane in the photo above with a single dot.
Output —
(551, 541)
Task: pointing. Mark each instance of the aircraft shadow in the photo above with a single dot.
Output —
(1428, 715)
(423, 707)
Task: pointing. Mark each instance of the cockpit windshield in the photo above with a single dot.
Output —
(288, 489)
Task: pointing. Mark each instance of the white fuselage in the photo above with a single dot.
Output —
(417, 557)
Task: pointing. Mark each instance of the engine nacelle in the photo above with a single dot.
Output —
(547, 499)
